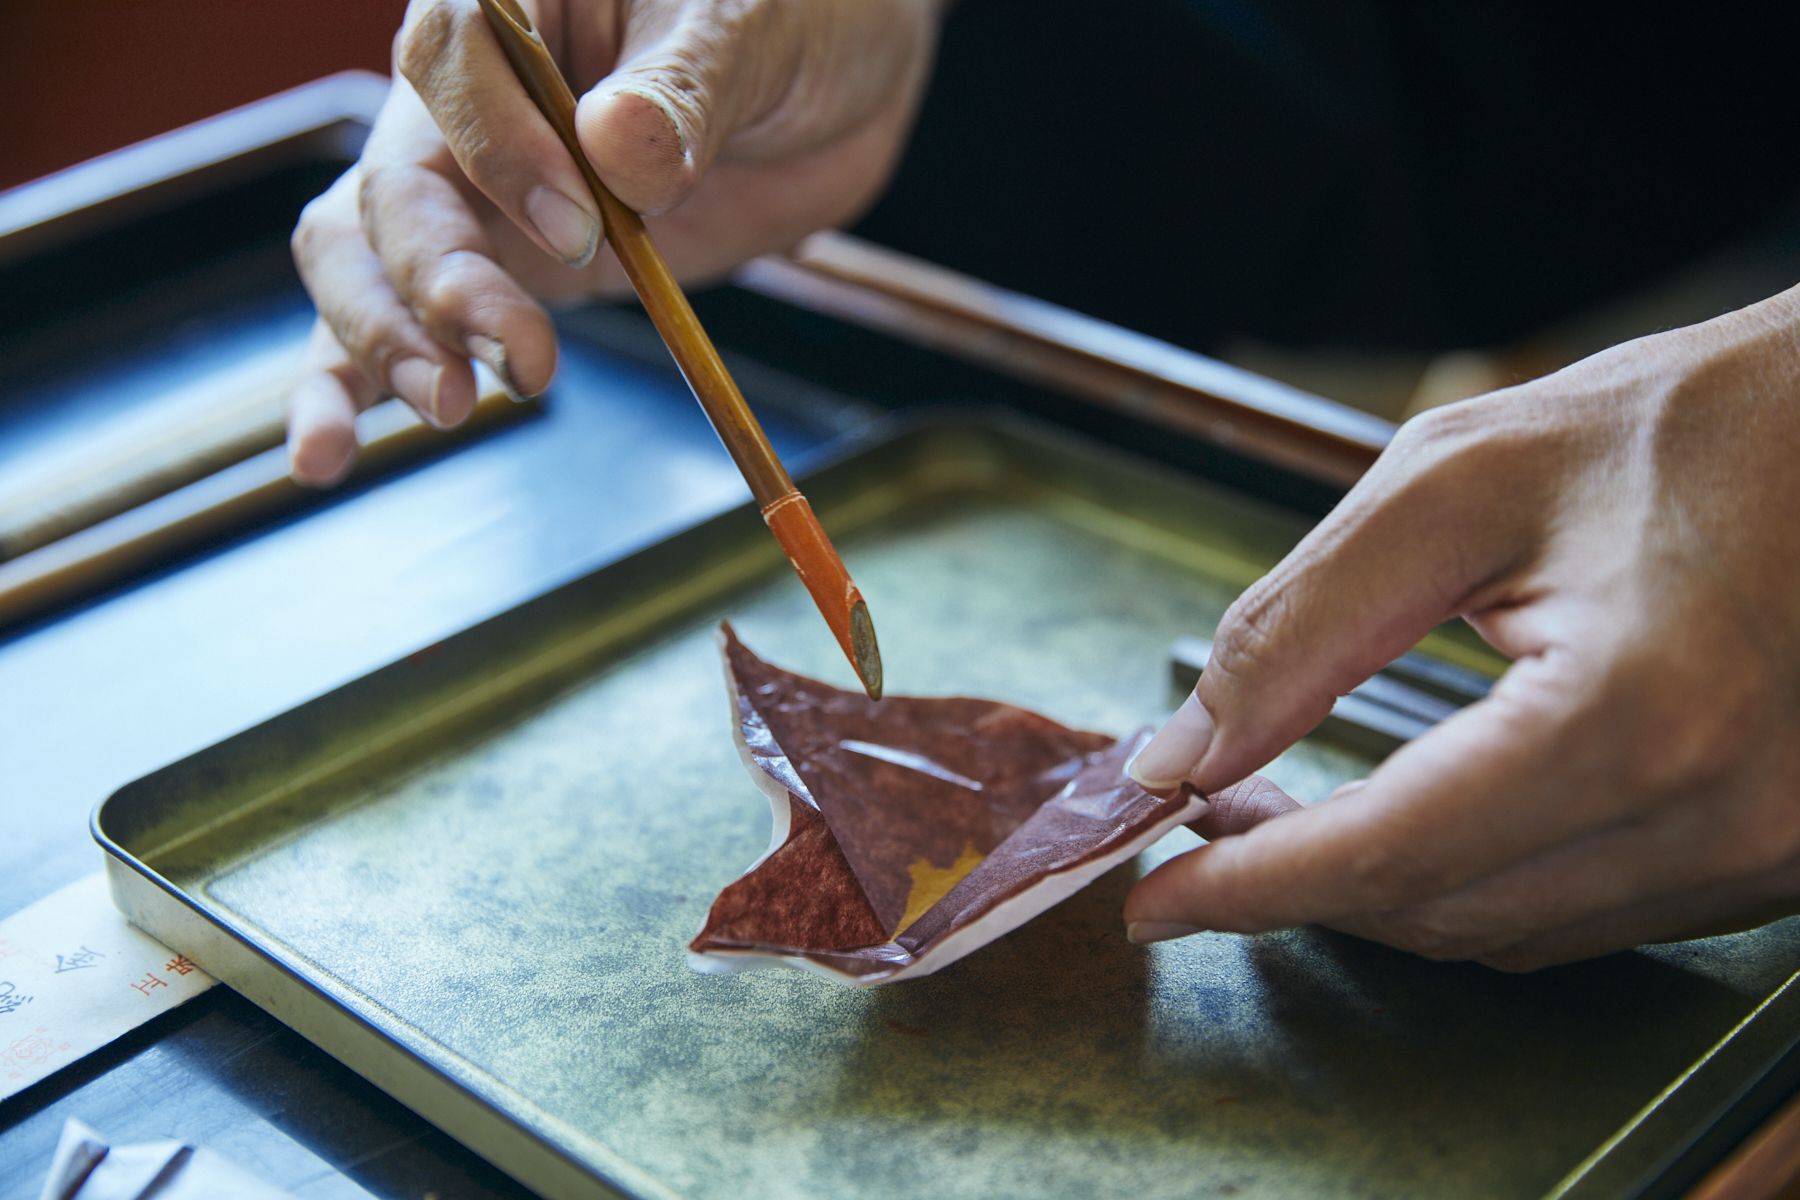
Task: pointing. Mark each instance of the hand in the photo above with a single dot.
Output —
(1628, 531)
(737, 126)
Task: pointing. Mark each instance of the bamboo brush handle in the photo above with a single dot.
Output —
(789, 516)
(662, 297)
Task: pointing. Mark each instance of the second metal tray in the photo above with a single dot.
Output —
(471, 876)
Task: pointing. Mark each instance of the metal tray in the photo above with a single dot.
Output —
(471, 876)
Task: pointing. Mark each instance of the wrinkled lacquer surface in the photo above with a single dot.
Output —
(904, 822)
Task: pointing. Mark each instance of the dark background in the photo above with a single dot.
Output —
(1366, 172)
(1369, 173)
(77, 80)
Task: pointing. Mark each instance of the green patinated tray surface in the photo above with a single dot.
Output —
(496, 875)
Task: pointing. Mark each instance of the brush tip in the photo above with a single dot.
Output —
(866, 654)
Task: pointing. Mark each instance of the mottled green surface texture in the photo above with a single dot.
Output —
(515, 910)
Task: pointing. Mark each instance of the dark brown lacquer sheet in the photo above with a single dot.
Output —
(910, 832)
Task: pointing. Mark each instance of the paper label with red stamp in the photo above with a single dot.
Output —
(74, 975)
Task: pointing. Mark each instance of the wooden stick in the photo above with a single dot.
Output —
(1765, 1166)
(174, 440)
(871, 286)
(102, 554)
(789, 516)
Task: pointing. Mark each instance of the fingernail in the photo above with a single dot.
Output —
(416, 381)
(319, 462)
(572, 231)
(490, 351)
(1167, 758)
(455, 399)
(1142, 933)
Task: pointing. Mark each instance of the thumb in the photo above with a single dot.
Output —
(655, 124)
(1405, 550)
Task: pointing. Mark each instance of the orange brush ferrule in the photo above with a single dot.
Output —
(791, 520)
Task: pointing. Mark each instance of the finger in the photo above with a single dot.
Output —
(686, 79)
(1677, 850)
(368, 318)
(1442, 811)
(449, 55)
(1410, 546)
(1704, 912)
(322, 408)
(442, 265)
(1230, 812)
(1242, 807)
(1669, 767)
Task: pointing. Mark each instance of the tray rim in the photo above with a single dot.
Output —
(1619, 1159)
(889, 429)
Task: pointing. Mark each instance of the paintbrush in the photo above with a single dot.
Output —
(787, 512)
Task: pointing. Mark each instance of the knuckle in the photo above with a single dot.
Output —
(1429, 428)
(1467, 423)
(306, 232)
(1437, 933)
(430, 28)
(441, 289)
(322, 219)
(371, 338)
(433, 54)
(370, 182)
(1433, 434)
(1487, 438)
(483, 158)
(1250, 802)
(1249, 634)
(1694, 707)
(1390, 876)
(387, 204)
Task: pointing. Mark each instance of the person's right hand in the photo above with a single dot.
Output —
(1624, 531)
(737, 126)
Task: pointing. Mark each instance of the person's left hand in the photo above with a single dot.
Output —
(735, 126)
(1628, 531)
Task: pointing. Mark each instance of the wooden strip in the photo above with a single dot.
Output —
(1765, 1167)
(855, 281)
(217, 505)
(164, 444)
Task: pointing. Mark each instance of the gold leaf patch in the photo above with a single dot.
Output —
(931, 883)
